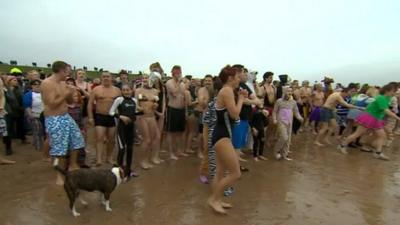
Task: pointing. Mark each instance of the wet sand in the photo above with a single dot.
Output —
(321, 186)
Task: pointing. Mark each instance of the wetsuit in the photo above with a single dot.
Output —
(125, 106)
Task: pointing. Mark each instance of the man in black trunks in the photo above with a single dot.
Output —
(103, 96)
(175, 126)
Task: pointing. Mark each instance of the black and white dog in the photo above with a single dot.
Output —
(102, 180)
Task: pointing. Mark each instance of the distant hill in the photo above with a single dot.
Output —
(6, 68)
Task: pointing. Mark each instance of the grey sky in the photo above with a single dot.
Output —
(351, 40)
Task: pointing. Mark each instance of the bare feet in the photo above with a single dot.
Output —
(6, 162)
(256, 159)
(200, 155)
(145, 165)
(189, 151)
(317, 143)
(262, 157)
(216, 206)
(183, 154)
(155, 161)
(59, 180)
(241, 159)
(226, 205)
(173, 157)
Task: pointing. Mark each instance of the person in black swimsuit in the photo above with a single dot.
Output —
(227, 113)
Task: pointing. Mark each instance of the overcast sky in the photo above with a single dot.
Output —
(352, 40)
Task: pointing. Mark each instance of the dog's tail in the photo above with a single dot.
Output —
(61, 170)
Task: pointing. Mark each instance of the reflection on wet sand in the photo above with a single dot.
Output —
(321, 186)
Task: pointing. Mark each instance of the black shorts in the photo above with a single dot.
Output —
(175, 120)
(104, 120)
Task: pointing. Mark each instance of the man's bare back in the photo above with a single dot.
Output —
(104, 98)
(55, 95)
(333, 100)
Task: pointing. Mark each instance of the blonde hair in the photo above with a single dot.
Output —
(372, 92)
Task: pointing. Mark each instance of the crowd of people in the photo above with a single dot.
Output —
(216, 118)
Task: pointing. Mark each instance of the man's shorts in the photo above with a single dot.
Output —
(239, 134)
(175, 120)
(104, 120)
(326, 115)
(64, 134)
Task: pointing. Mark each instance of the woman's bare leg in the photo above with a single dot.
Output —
(226, 161)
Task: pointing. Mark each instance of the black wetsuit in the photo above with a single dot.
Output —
(124, 106)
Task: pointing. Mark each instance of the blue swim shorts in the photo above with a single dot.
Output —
(64, 134)
(240, 132)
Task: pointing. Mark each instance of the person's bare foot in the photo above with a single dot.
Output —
(145, 165)
(6, 162)
(216, 206)
(256, 159)
(155, 161)
(240, 153)
(262, 157)
(226, 205)
(59, 180)
(173, 157)
(200, 155)
(317, 143)
(189, 151)
(241, 159)
(183, 154)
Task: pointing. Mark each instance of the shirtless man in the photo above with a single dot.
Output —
(175, 113)
(317, 101)
(63, 132)
(305, 93)
(267, 91)
(148, 102)
(328, 114)
(103, 96)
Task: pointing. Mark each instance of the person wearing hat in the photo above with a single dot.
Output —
(15, 110)
(123, 79)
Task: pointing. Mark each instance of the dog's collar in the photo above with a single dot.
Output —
(116, 171)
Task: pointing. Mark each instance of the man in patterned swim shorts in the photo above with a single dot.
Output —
(63, 132)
